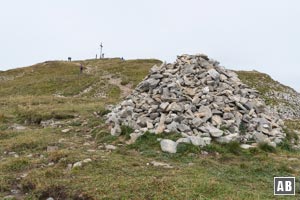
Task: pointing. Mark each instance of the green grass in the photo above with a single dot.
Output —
(267, 148)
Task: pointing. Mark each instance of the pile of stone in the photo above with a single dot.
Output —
(200, 100)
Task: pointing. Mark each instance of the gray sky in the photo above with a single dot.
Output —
(259, 34)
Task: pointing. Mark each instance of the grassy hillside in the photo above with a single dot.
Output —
(51, 117)
(265, 85)
(64, 78)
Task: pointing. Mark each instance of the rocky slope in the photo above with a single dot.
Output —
(199, 99)
(280, 99)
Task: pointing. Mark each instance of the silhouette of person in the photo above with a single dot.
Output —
(81, 68)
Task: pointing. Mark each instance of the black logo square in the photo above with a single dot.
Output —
(284, 185)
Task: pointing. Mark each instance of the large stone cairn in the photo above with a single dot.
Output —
(200, 100)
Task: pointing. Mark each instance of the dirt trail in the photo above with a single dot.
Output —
(125, 89)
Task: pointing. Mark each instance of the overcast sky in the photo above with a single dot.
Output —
(259, 34)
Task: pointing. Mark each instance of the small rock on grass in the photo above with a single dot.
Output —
(52, 148)
(77, 164)
(168, 146)
(65, 130)
(110, 147)
(87, 160)
(246, 146)
(161, 164)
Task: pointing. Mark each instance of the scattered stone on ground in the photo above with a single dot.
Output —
(65, 130)
(160, 164)
(52, 148)
(110, 147)
(51, 123)
(79, 163)
(18, 127)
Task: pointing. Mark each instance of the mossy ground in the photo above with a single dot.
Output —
(226, 172)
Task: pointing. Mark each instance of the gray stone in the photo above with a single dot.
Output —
(168, 146)
(197, 121)
(161, 164)
(184, 140)
(153, 82)
(164, 105)
(173, 127)
(207, 140)
(260, 137)
(110, 147)
(214, 132)
(149, 125)
(65, 130)
(174, 107)
(197, 141)
(272, 144)
(216, 120)
(134, 136)
(142, 121)
(18, 127)
(52, 148)
(154, 116)
(205, 90)
(116, 130)
(277, 140)
(227, 138)
(227, 116)
(183, 127)
(161, 125)
(223, 77)
(204, 112)
(214, 74)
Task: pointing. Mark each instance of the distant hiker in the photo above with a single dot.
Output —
(122, 58)
(69, 59)
(81, 68)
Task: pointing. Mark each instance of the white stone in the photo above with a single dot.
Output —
(161, 164)
(77, 164)
(65, 130)
(168, 146)
(246, 146)
(205, 90)
(87, 160)
(110, 147)
(227, 138)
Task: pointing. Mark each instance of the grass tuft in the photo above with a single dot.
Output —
(126, 131)
(267, 148)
